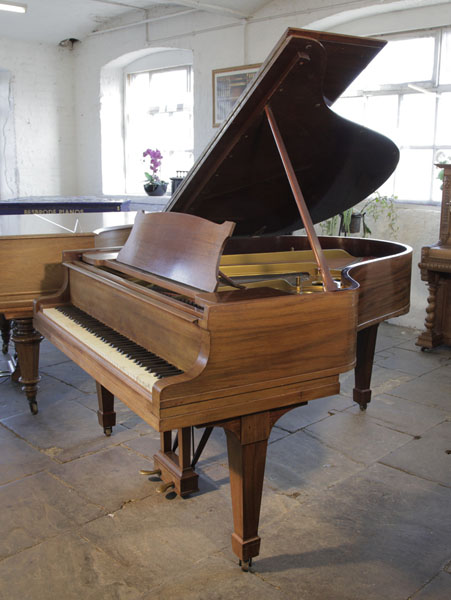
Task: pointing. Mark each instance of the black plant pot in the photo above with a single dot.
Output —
(155, 189)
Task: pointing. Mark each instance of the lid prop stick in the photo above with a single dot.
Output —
(329, 283)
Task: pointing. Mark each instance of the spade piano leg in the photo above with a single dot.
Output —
(175, 468)
(366, 344)
(27, 341)
(247, 441)
(105, 414)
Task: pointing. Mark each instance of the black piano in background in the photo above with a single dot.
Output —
(42, 205)
(215, 313)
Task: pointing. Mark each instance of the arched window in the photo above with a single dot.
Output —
(158, 115)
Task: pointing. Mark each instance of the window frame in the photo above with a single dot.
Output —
(429, 86)
(126, 106)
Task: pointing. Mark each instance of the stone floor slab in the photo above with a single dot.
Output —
(315, 411)
(382, 381)
(357, 436)
(66, 567)
(13, 400)
(401, 414)
(109, 478)
(18, 459)
(157, 536)
(216, 578)
(65, 427)
(73, 375)
(428, 457)
(431, 389)
(124, 416)
(36, 508)
(300, 465)
(412, 362)
(49, 355)
(379, 534)
(438, 589)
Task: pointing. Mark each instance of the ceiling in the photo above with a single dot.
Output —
(50, 21)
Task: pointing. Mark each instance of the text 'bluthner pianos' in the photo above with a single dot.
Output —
(190, 325)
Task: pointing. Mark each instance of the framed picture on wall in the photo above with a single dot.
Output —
(228, 85)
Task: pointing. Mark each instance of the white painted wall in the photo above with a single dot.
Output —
(40, 119)
(60, 95)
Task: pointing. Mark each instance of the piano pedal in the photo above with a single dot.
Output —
(156, 472)
(164, 487)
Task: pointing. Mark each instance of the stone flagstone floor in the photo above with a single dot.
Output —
(356, 506)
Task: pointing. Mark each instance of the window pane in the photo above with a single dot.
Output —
(445, 65)
(382, 115)
(413, 175)
(400, 61)
(416, 127)
(159, 116)
(352, 109)
(444, 120)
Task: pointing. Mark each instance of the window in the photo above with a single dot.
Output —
(158, 114)
(405, 93)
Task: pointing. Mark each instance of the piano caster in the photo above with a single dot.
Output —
(108, 431)
(33, 407)
(164, 487)
(156, 472)
(245, 564)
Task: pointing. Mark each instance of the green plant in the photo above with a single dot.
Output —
(328, 227)
(375, 206)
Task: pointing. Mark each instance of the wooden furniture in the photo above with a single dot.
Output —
(435, 268)
(199, 320)
(30, 266)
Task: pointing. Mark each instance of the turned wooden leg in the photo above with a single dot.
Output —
(105, 414)
(366, 344)
(175, 469)
(27, 341)
(247, 440)
(431, 336)
(5, 326)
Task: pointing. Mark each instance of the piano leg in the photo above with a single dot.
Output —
(5, 325)
(105, 414)
(366, 344)
(247, 440)
(27, 341)
(176, 468)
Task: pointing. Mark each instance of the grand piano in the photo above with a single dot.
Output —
(30, 266)
(213, 314)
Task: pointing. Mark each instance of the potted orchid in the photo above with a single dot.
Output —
(154, 186)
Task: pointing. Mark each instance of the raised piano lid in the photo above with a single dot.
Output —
(240, 176)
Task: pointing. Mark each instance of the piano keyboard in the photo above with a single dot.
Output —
(133, 360)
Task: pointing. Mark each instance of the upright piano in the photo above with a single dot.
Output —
(213, 314)
(435, 267)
